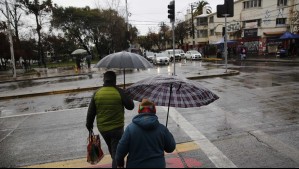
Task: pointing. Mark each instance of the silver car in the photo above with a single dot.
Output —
(193, 55)
(161, 59)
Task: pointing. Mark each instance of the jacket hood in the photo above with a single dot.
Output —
(147, 121)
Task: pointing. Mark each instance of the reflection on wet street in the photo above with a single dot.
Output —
(272, 80)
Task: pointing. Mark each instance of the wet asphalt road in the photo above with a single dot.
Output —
(254, 123)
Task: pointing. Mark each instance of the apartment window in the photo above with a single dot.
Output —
(252, 4)
(202, 33)
(281, 21)
(202, 21)
(282, 2)
(211, 19)
(252, 23)
(212, 32)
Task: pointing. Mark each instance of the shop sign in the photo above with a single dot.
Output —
(233, 27)
(249, 33)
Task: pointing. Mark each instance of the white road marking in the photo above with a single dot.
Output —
(212, 152)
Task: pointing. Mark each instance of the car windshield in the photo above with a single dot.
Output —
(194, 52)
(150, 53)
(161, 55)
(176, 51)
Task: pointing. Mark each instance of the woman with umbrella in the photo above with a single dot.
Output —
(145, 140)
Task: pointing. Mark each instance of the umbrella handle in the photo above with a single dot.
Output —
(169, 105)
(124, 79)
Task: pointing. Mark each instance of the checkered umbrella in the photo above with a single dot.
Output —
(171, 91)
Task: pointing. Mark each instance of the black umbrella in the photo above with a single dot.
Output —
(124, 60)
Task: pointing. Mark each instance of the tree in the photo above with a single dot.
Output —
(38, 9)
(145, 42)
(182, 31)
(2, 26)
(59, 46)
(15, 15)
(104, 28)
(4, 51)
(201, 4)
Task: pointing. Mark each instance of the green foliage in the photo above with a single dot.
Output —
(181, 31)
(200, 7)
(104, 28)
(38, 9)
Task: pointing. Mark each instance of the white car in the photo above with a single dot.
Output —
(150, 56)
(161, 58)
(193, 55)
(179, 54)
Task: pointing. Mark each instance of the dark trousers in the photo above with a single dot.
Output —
(112, 138)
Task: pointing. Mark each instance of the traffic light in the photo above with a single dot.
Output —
(227, 8)
(171, 11)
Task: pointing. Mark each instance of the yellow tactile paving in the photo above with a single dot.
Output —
(81, 163)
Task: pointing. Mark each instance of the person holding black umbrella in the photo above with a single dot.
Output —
(107, 105)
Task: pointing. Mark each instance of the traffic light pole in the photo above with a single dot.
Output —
(225, 43)
(171, 16)
(193, 29)
(173, 44)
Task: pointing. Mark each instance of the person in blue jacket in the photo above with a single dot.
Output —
(145, 140)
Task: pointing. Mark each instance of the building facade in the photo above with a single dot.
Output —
(256, 23)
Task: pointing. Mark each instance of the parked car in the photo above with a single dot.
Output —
(149, 56)
(179, 54)
(161, 58)
(193, 55)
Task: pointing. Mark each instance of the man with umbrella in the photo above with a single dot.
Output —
(107, 105)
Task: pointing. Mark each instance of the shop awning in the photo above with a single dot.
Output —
(279, 33)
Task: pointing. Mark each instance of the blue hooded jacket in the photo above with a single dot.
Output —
(145, 141)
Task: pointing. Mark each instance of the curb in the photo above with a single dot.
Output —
(265, 60)
(230, 73)
(41, 78)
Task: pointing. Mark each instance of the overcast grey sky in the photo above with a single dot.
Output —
(145, 14)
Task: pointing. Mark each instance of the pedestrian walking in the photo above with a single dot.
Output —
(145, 140)
(78, 62)
(88, 60)
(108, 107)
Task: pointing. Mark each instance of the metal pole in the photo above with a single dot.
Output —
(128, 26)
(173, 43)
(225, 43)
(193, 29)
(11, 42)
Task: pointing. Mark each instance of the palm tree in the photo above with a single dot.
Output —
(200, 6)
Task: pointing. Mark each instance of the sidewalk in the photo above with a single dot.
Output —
(173, 160)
